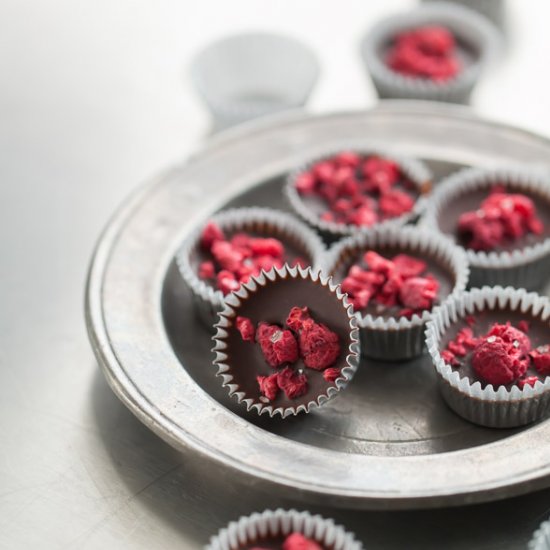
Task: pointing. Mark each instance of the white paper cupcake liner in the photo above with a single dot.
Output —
(522, 268)
(245, 76)
(255, 528)
(394, 339)
(471, 28)
(264, 221)
(492, 9)
(415, 170)
(541, 537)
(231, 311)
(495, 408)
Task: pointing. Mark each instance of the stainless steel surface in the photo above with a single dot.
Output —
(380, 446)
(92, 101)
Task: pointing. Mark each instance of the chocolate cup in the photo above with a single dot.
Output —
(308, 208)
(298, 238)
(269, 298)
(523, 263)
(388, 337)
(480, 403)
(271, 527)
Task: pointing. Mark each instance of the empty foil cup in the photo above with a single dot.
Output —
(246, 76)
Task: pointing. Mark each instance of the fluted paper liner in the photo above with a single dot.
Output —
(273, 223)
(541, 537)
(493, 407)
(230, 312)
(476, 31)
(399, 338)
(526, 267)
(415, 170)
(255, 528)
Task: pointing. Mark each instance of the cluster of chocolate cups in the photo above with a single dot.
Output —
(383, 332)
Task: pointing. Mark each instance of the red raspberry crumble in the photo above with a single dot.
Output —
(396, 282)
(297, 317)
(297, 541)
(237, 259)
(501, 218)
(529, 381)
(294, 384)
(278, 346)
(495, 362)
(541, 359)
(245, 326)
(426, 52)
(331, 374)
(319, 346)
(269, 385)
(358, 189)
(510, 335)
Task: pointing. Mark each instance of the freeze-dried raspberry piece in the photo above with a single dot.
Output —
(319, 346)
(245, 326)
(278, 346)
(268, 385)
(305, 183)
(450, 358)
(457, 348)
(360, 299)
(382, 172)
(328, 216)
(297, 317)
(395, 203)
(435, 40)
(528, 381)
(407, 266)
(470, 320)
(207, 270)
(524, 326)
(331, 374)
(466, 338)
(541, 359)
(300, 262)
(419, 292)
(297, 541)
(226, 255)
(378, 263)
(497, 361)
(511, 335)
(348, 158)
(294, 384)
(266, 263)
(388, 295)
(324, 170)
(267, 247)
(226, 282)
(210, 234)
(363, 216)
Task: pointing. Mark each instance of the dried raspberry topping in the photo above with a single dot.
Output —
(396, 282)
(245, 326)
(331, 374)
(278, 346)
(541, 359)
(294, 384)
(358, 189)
(450, 358)
(269, 386)
(319, 346)
(297, 541)
(511, 335)
(493, 362)
(237, 259)
(501, 218)
(426, 52)
(297, 317)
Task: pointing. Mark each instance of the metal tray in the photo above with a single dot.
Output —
(388, 441)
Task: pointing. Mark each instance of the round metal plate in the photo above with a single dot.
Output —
(388, 441)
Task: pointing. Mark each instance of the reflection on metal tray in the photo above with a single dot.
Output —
(388, 441)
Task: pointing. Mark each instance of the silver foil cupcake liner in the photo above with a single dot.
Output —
(264, 221)
(527, 267)
(399, 339)
(258, 527)
(230, 312)
(495, 408)
(245, 76)
(541, 537)
(415, 170)
(469, 27)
